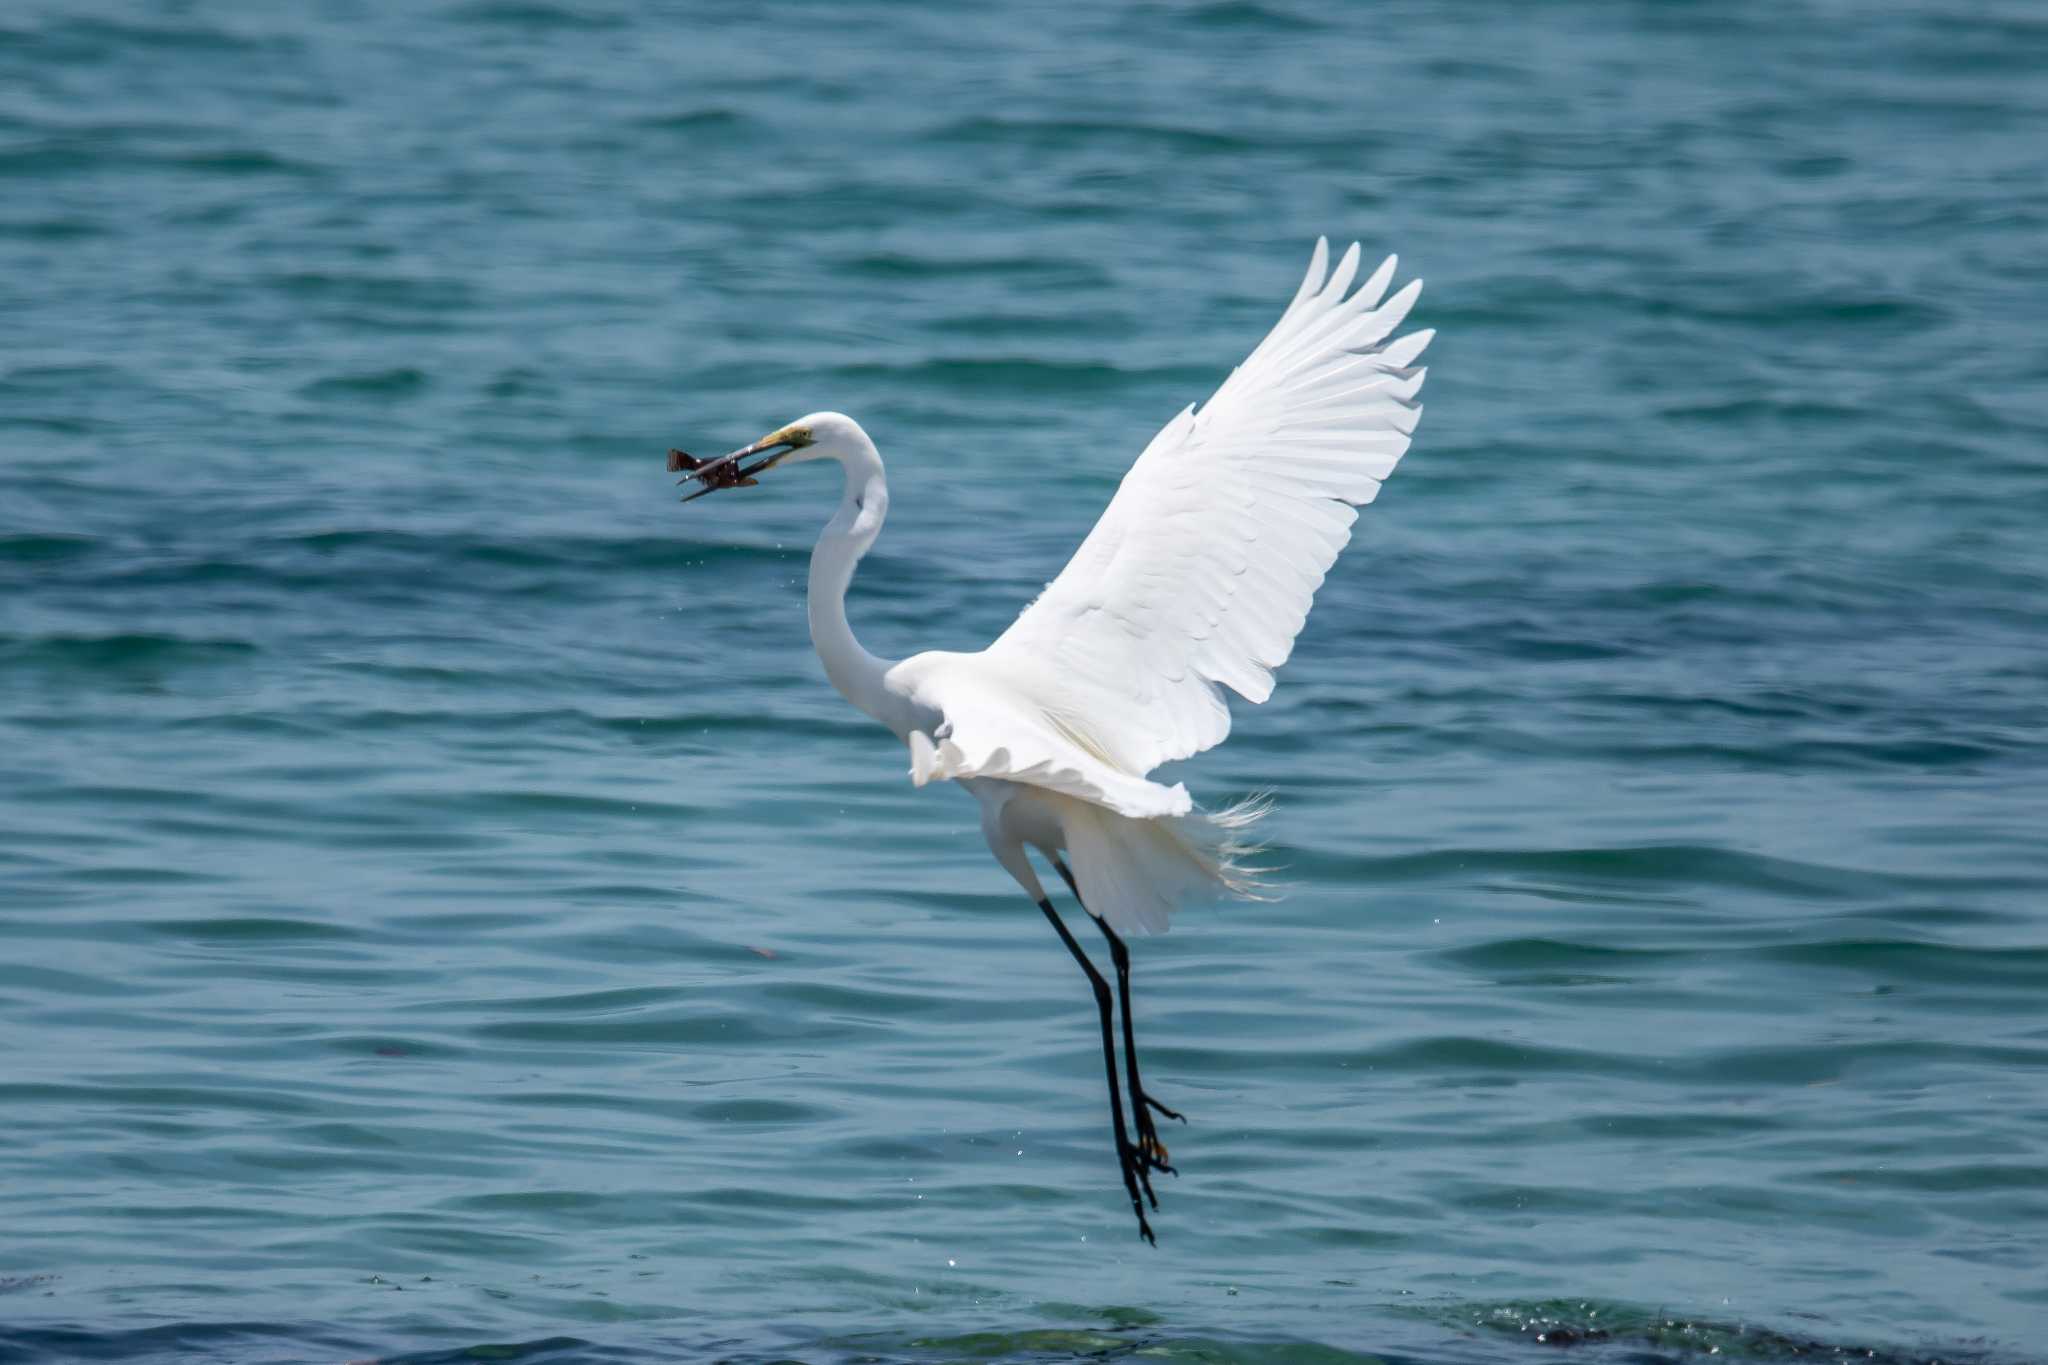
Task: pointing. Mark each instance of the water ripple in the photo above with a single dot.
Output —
(445, 913)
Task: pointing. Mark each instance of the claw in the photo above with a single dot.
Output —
(1163, 1110)
(1145, 1181)
(1134, 1180)
(1154, 1152)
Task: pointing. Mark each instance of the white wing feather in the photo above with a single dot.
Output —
(1202, 570)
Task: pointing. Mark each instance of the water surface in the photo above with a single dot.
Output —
(445, 906)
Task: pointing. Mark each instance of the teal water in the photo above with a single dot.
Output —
(448, 916)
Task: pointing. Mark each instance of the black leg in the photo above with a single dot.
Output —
(1127, 1156)
(1150, 1149)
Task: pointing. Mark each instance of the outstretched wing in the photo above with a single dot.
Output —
(1201, 572)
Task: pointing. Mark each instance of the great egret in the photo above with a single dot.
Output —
(1197, 578)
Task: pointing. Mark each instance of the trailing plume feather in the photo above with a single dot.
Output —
(1221, 841)
(1135, 873)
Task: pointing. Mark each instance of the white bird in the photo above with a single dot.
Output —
(1197, 578)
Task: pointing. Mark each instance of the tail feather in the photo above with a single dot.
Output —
(1221, 840)
(1135, 873)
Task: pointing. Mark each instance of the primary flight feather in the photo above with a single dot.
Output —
(1201, 572)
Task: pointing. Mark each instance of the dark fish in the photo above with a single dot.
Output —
(725, 473)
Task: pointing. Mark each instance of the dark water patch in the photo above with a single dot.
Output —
(760, 1111)
(1917, 960)
(426, 294)
(46, 548)
(1242, 15)
(400, 382)
(1749, 307)
(95, 37)
(1021, 375)
(232, 1342)
(1930, 918)
(2006, 1179)
(1818, 1064)
(523, 15)
(1537, 642)
(702, 724)
(596, 1002)
(639, 1105)
(53, 981)
(1783, 756)
(17, 1284)
(1692, 1126)
(1740, 411)
(1058, 134)
(242, 161)
(853, 1003)
(1468, 1059)
(1537, 955)
(357, 548)
(1054, 327)
(1469, 69)
(665, 1030)
(522, 382)
(652, 940)
(69, 155)
(253, 929)
(550, 1350)
(390, 1048)
(1047, 272)
(1644, 865)
(192, 1215)
(154, 799)
(36, 377)
(1621, 1331)
(712, 119)
(161, 1098)
(1492, 1057)
(56, 229)
(526, 803)
(53, 424)
(128, 656)
(860, 204)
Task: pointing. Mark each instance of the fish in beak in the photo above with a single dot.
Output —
(730, 470)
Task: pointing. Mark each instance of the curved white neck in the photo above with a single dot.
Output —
(853, 528)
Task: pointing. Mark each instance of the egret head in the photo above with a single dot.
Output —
(820, 436)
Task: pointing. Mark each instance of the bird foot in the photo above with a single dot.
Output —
(1135, 1180)
(1151, 1151)
(1140, 1159)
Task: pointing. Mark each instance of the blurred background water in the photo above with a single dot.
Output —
(446, 909)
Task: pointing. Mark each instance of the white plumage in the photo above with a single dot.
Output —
(1196, 579)
(1202, 571)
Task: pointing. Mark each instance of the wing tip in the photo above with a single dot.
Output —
(1329, 285)
(1318, 271)
(1341, 278)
